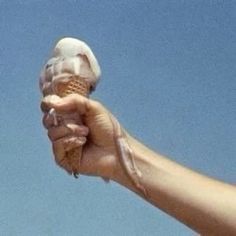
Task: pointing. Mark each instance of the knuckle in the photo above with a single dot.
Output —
(44, 120)
(46, 124)
(96, 106)
(43, 106)
(47, 121)
(50, 135)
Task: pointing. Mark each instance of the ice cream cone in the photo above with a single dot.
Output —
(76, 85)
(72, 69)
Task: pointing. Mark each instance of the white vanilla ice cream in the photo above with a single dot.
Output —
(70, 57)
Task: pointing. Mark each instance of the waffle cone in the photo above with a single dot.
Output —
(80, 86)
(74, 85)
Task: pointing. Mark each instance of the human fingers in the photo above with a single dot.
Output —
(71, 103)
(60, 155)
(45, 103)
(73, 142)
(57, 132)
(49, 121)
(61, 148)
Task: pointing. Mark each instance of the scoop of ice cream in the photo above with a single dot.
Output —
(70, 57)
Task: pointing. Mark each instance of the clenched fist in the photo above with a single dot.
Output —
(97, 134)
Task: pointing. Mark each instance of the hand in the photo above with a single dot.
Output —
(99, 156)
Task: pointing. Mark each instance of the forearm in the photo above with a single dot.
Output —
(206, 205)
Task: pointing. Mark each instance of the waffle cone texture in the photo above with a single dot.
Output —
(75, 85)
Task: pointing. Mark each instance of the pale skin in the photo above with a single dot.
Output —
(206, 205)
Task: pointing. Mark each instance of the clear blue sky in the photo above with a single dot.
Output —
(169, 75)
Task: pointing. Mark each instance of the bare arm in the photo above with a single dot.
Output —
(206, 205)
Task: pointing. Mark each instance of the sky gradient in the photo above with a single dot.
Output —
(169, 76)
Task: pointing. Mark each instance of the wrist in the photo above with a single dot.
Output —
(128, 171)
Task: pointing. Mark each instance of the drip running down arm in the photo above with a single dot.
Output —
(206, 205)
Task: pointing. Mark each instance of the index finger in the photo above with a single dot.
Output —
(48, 101)
(70, 103)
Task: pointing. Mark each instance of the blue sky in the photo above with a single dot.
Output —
(168, 74)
